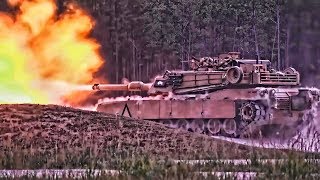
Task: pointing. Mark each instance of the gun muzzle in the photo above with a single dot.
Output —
(95, 87)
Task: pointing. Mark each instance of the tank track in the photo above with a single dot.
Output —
(211, 127)
(243, 126)
(233, 129)
(248, 113)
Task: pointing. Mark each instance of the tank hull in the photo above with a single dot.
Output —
(253, 112)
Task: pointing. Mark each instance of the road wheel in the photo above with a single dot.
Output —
(167, 122)
(230, 126)
(182, 124)
(197, 125)
(214, 126)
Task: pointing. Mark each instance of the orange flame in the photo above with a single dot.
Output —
(43, 55)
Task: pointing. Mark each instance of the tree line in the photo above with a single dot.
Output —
(141, 38)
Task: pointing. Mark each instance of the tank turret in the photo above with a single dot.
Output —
(210, 74)
(216, 74)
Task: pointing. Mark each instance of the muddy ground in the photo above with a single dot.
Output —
(45, 128)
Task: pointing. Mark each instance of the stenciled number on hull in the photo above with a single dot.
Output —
(126, 109)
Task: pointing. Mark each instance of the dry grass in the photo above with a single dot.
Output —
(52, 128)
(38, 136)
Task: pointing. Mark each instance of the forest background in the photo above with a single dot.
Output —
(142, 38)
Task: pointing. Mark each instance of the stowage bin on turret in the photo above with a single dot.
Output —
(225, 96)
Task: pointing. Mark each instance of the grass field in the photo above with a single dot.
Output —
(135, 165)
(55, 137)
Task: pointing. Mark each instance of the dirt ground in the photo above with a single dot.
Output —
(50, 127)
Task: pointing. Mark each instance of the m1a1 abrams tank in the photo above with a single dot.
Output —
(225, 96)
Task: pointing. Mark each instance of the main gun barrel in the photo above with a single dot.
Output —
(132, 86)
